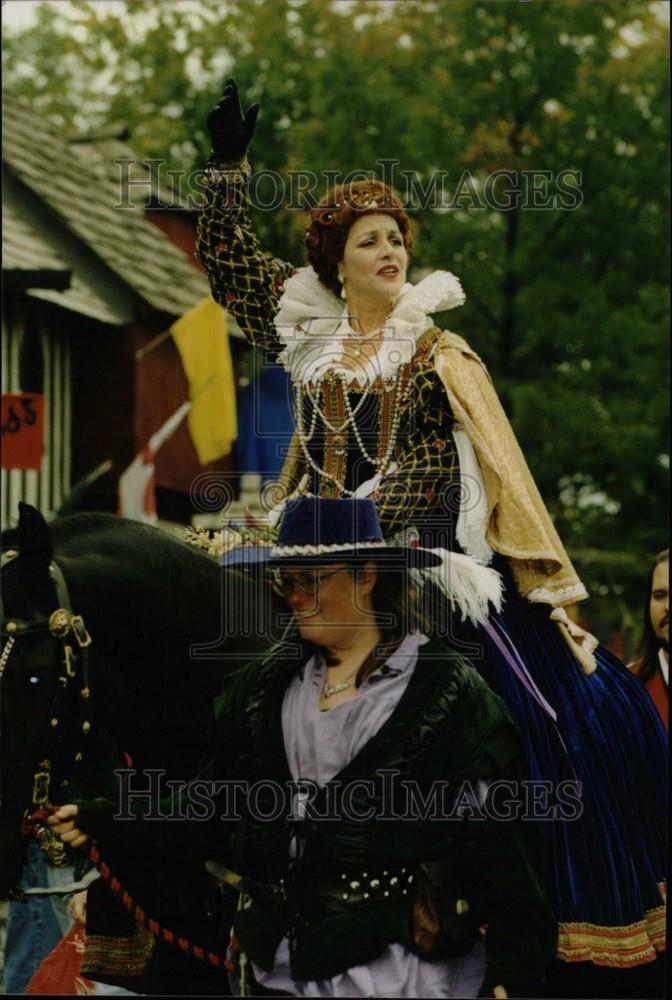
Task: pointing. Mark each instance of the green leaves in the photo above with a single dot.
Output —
(567, 307)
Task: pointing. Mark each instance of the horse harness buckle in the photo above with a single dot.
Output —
(79, 629)
(41, 783)
(70, 661)
(62, 621)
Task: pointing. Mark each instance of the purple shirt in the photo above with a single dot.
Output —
(319, 744)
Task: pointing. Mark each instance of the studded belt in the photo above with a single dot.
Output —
(354, 887)
(362, 887)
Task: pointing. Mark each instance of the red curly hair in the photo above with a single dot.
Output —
(334, 214)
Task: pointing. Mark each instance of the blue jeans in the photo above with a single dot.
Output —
(36, 926)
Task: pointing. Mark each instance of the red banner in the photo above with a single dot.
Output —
(22, 430)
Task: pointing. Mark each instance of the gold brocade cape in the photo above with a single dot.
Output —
(519, 527)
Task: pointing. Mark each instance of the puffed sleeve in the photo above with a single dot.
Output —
(243, 279)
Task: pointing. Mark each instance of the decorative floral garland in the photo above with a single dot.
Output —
(218, 543)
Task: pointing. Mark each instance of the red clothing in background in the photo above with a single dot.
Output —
(657, 688)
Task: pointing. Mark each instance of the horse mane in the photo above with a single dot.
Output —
(73, 526)
(90, 520)
(109, 535)
(68, 529)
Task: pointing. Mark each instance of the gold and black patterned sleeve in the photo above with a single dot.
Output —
(243, 279)
(422, 487)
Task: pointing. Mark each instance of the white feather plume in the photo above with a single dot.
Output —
(470, 587)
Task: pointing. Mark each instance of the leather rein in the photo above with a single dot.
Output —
(69, 629)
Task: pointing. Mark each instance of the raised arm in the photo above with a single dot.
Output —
(243, 279)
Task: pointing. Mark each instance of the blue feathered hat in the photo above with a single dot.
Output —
(322, 529)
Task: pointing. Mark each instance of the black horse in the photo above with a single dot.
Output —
(116, 638)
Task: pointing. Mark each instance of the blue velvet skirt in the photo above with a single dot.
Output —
(606, 867)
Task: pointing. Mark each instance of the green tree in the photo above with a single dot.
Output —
(568, 307)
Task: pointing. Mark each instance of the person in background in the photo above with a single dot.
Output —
(652, 667)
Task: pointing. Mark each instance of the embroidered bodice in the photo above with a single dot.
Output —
(418, 488)
(337, 452)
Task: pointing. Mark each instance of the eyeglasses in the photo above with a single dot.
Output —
(307, 583)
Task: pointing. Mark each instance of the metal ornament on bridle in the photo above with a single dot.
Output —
(64, 626)
(59, 623)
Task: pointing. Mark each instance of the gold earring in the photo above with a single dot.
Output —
(341, 278)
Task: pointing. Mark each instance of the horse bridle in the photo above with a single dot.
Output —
(69, 629)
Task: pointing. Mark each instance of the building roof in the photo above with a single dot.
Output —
(48, 262)
(84, 200)
(109, 155)
(25, 252)
(33, 264)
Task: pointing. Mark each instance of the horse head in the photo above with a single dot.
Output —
(113, 648)
(38, 673)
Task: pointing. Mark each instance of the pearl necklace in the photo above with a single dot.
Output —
(299, 418)
(318, 410)
(303, 440)
(380, 464)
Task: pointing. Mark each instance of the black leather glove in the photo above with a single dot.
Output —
(230, 133)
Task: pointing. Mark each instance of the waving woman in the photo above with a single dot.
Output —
(391, 407)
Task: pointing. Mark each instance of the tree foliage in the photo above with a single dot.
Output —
(568, 307)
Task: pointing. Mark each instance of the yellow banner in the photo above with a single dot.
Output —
(203, 342)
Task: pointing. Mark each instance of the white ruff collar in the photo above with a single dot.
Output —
(312, 324)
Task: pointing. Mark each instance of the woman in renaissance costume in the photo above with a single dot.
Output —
(391, 407)
(369, 761)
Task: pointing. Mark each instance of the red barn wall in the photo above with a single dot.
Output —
(179, 227)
